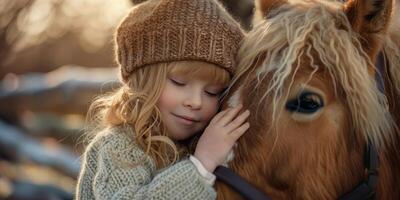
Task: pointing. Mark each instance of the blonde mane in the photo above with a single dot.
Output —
(320, 32)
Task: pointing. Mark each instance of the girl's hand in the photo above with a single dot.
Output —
(220, 136)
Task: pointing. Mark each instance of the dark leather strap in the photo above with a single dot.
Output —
(239, 184)
(366, 189)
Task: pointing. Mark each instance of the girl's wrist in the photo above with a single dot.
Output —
(209, 166)
(206, 175)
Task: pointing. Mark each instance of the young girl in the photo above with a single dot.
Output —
(176, 58)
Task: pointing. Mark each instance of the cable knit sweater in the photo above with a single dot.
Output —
(110, 170)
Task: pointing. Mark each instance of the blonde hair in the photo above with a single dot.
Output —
(308, 29)
(134, 105)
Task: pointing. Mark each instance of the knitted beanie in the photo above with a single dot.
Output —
(175, 30)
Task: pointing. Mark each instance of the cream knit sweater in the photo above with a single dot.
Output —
(110, 170)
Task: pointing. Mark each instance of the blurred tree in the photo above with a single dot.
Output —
(40, 35)
(9, 12)
(241, 10)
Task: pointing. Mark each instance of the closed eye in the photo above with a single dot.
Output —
(213, 94)
(178, 83)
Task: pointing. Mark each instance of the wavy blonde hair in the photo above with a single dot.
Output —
(133, 105)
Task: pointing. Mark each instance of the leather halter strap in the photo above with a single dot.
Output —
(239, 184)
(363, 191)
(366, 189)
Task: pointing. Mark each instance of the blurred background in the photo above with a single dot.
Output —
(55, 57)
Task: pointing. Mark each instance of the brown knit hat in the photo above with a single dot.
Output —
(174, 30)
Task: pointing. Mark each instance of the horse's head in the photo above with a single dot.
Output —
(305, 74)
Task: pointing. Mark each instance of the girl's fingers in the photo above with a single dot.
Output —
(229, 115)
(223, 113)
(218, 116)
(239, 131)
(239, 120)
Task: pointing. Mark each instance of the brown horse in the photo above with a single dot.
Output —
(306, 74)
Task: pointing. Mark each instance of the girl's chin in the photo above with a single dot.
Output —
(181, 136)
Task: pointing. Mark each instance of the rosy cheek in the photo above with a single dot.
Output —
(211, 111)
(168, 97)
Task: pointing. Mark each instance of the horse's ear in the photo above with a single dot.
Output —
(263, 7)
(370, 18)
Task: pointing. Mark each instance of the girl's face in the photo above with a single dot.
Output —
(187, 104)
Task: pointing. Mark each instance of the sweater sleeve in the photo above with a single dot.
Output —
(127, 173)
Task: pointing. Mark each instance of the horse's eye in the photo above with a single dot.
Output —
(306, 103)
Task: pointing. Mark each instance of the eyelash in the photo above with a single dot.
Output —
(177, 83)
(183, 84)
(212, 94)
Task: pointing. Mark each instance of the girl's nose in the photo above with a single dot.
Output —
(193, 100)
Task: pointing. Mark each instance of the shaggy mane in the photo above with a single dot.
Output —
(319, 31)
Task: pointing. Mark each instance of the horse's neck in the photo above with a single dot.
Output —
(391, 156)
(389, 172)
